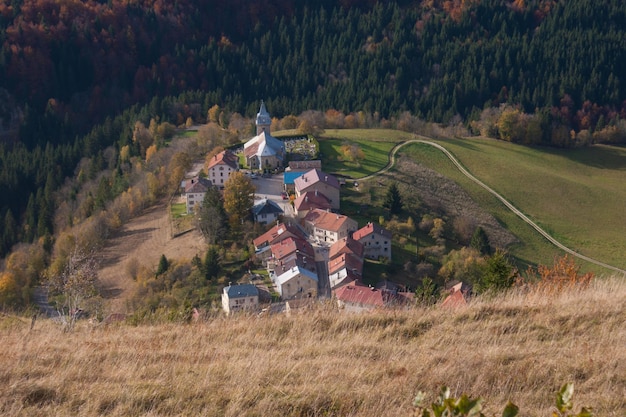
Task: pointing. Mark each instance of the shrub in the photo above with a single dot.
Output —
(445, 405)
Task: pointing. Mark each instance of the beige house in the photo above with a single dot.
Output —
(221, 166)
(376, 241)
(328, 227)
(296, 282)
(240, 297)
(195, 190)
(264, 151)
(318, 181)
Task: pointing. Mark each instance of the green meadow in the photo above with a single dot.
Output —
(375, 144)
(576, 195)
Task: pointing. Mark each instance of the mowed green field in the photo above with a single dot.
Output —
(578, 195)
(375, 143)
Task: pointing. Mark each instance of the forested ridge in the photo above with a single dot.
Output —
(66, 66)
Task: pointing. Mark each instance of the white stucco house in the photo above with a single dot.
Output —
(240, 297)
(221, 166)
(195, 190)
(376, 241)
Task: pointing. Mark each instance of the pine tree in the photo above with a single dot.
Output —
(393, 199)
(480, 241)
(163, 265)
(211, 263)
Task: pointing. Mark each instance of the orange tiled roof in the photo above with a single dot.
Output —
(326, 220)
(346, 245)
(312, 200)
(348, 261)
(361, 295)
(278, 233)
(370, 228)
(224, 158)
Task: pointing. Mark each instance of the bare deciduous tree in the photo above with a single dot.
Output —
(75, 284)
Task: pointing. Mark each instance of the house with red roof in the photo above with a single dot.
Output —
(328, 227)
(316, 180)
(221, 166)
(343, 269)
(356, 297)
(276, 234)
(345, 262)
(376, 241)
(309, 201)
(458, 295)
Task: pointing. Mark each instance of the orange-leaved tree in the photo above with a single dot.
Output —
(564, 274)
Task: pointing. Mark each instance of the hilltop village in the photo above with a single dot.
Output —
(311, 250)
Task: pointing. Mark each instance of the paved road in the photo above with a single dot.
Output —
(270, 188)
(323, 283)
(515, 210)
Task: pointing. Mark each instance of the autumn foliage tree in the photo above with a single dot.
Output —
(564, 274)
(238, 197)
(352, 152)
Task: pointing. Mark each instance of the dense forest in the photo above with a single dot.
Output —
(66, 66)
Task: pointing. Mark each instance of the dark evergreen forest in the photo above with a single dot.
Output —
(66, 66)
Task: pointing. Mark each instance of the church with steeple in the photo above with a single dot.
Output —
(264, 151)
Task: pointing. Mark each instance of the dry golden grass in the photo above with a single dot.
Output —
(326, 363)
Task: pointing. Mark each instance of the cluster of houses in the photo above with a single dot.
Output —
(315, 247)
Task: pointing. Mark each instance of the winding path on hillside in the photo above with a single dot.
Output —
(515, 210)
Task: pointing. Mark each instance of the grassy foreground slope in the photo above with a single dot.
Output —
(325, 362)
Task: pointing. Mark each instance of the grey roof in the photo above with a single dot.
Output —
(197, 185)
(240, 291)
(266, 207)
(263, 117)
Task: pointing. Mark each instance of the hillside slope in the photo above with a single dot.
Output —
(323, 362)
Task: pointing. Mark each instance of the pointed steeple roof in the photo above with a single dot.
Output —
(263, 117)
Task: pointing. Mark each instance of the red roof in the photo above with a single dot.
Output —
(369, 229)
(361, 295)
(224, 158)
(454, 300)
(278, 233)
(312, 200)
(313, 177)
(326, 220)
(290, 245)
(347, 261)
(346, 245)
(301, 260)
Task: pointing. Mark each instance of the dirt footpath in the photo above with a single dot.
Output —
(144, 238)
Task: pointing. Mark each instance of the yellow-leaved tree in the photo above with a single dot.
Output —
(238, 198)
